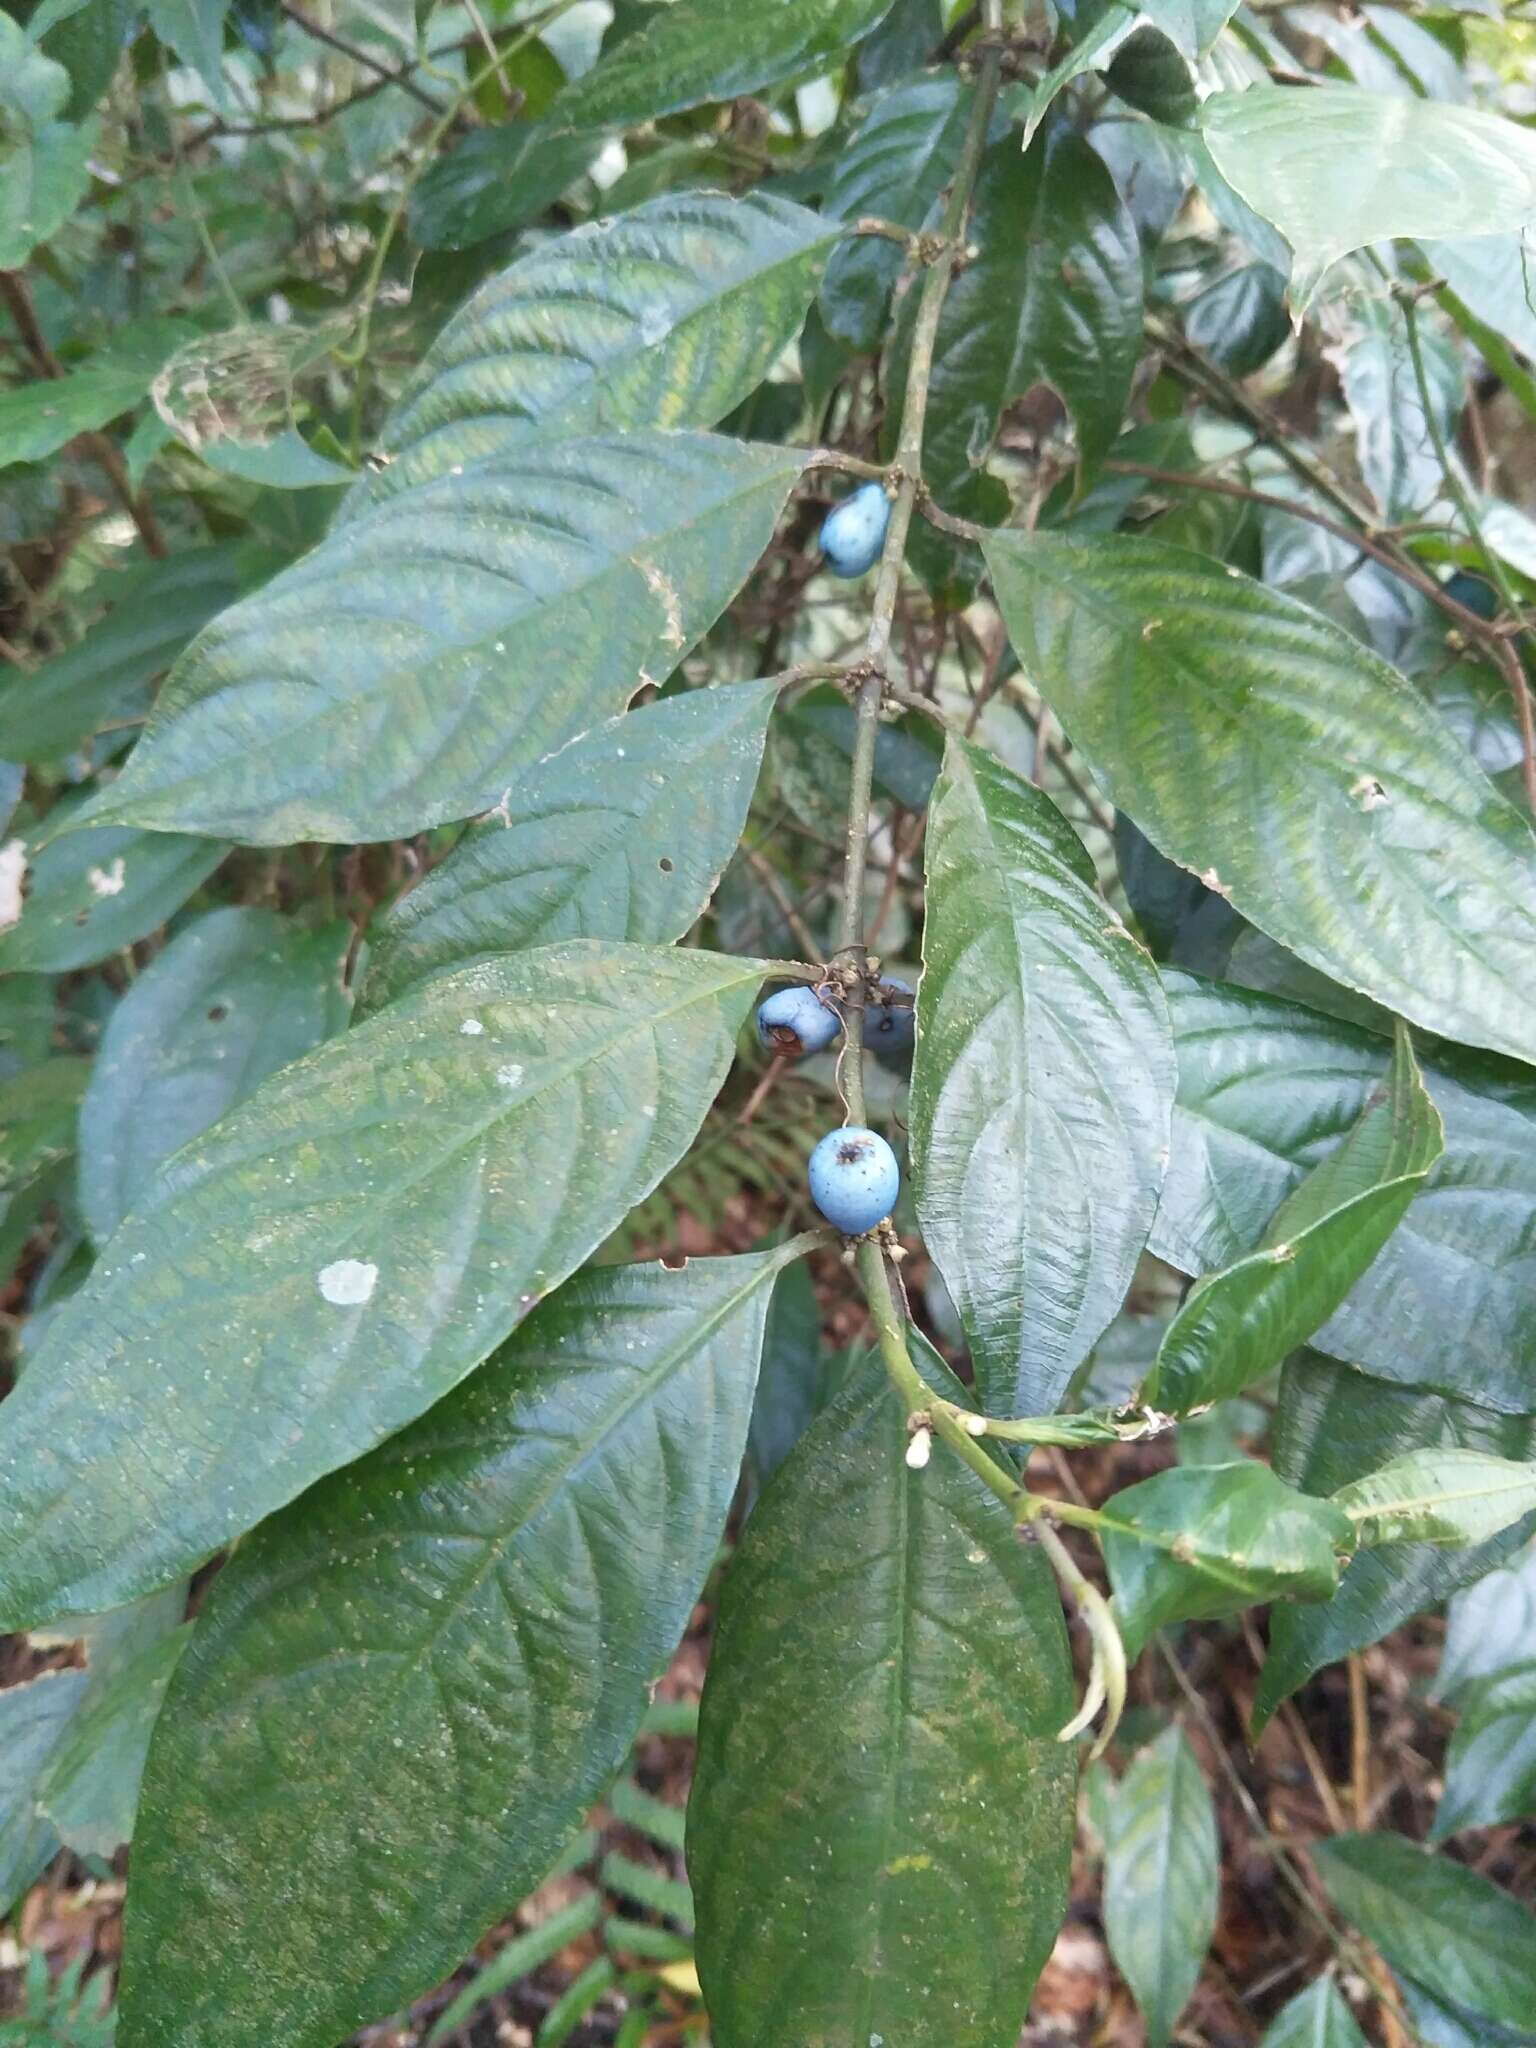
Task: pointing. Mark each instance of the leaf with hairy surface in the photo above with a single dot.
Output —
(596, 847)
(1262, 747)
(881, 1817)
(429, 654)
(1239, 1323)
(407, 1689)
(1041, 1084)
(343, 1248)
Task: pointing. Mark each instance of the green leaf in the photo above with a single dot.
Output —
(1238, 1324)
(1489, 1628)
(489, 618)
(1490, 1766)
(1193, 25)
(1160, 1879)
(497, 179)
(1149, 73)
(1439, 1496)
(37, 1118)
(1418, 167)
(1265, 1089)
(1195, 1542)
(88, 38)
(881, 1818)
(285, 463)
(1393, 441)
(33, 1717)
(1333, 1426)
(37, 418)
(1239, 321)
(344, 1247)
(1318, 2018)
(894, 167)
(90, 893)
(700, 50)
(233, 997)
(1094, 45)
(1041, 1084)
(428, 1668)
(1055, 294)
(89, 1788)
(595, 846)
(1434, 1920)
(794, 1382)
(1494, 277)
(668, 316)
(1438, 2026)
(194, 29)
(44, 162)
(104, 680)
(1262, 747)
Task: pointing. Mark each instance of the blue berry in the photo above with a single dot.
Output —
(854, 1179)
(853, 533)
(890, 1027)
(796, 1020)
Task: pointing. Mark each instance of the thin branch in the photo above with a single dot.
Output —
(387, 74)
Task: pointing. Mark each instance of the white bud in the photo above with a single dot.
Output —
(976, 1425)
(919, 1448)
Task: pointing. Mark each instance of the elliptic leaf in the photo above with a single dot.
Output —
(408, 1687)
(1439, 1496)
(105, 679)
(1054, 295)
(89, 1788)
(1490, 1767)
(497, 179)
(37, 418)
(1041, 1084)
(1333, 1426)
(597, 845)
(1435, 1920)
(894, 167)
(1160, 1879)
(425, 657)
(881, 1817)
(700, 50)
(233, 997)
(1416, 167)
(1239, 1323)
(1319, 2018)
(1489, 1627)
(1262, 747)
(1204, 1540)
(668, 316)
(1266, 1089)
(33, 1718)
(343, 1248)
(92, 892)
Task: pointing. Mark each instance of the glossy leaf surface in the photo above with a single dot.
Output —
(1439, 1496)
(1318, 2018)
(345, 1247)
(1160, 1879)
(1489, 1627)
(1041, 1084)
(1435, 1920)
(1205, 1540)
(664, 317)
(1416, 167)
(1262, 747)
(233, 997)
(881, 1816)
(1266, 1090)
(699, 50)
(427, 655)
(407, 1689)
(597, 846)
(1238, 1324)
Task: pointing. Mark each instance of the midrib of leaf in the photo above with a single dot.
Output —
(650, 1383)
(1446, 1496)
(1219, 1569)
(899, 1715)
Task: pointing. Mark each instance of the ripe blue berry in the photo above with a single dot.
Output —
(890, 1027)
(854, 1179)
(796, 1020)
(853, 533)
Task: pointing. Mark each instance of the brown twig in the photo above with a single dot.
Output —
(18, 301)
(386, 73)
